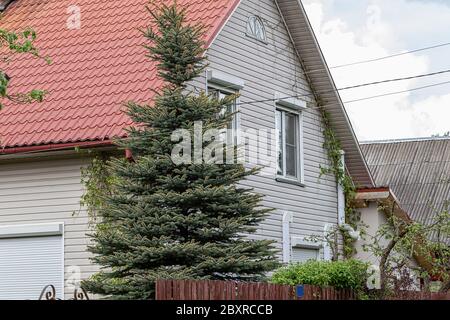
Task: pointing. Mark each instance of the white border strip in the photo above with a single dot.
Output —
(31, 230)
(291, 102)
(301, 242)
(224, 79)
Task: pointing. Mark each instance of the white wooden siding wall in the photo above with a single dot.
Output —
(266, 69)
(48, 191)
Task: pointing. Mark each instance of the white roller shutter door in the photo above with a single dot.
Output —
(304, 254)
(28, 264)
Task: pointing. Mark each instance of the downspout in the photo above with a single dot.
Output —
(327, 253)
(354, 234)
(287, 220)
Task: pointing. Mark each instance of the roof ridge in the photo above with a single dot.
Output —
(403, 140)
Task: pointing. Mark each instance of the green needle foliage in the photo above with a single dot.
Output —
(160, 220)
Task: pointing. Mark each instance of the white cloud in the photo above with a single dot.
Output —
(431, 115)
(372, 34)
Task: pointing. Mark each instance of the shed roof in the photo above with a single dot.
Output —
(418, 172)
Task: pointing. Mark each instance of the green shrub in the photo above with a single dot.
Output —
(347, 274)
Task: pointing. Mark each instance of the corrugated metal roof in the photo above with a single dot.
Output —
(95, 68)
(417, 171)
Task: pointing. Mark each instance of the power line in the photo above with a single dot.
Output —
(379, 59)
(396, 79)
(398, 92)
(359, 86)
(375, 59)
(390, 56)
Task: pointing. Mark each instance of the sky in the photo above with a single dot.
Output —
(355, 30)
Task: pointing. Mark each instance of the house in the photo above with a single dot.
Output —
(413, 178)
(262, 49)
(378, 207)
(417, 171)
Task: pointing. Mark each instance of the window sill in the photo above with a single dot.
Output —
(290, 181)
(256, 39)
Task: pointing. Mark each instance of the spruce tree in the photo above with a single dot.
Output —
(162, 220)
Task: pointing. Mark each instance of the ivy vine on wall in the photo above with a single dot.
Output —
(333, 147)
(97, 182)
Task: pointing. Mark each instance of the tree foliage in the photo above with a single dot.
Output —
(161, 220)
(401, 242)
(344, 274)
(334, 149)
(18, 43)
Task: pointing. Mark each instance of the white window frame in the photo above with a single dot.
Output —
(236, 123)
(223, 80)
(31, 230)
(317, 250)
(56, 229)
(255, 19)
(300, 165)
(303, 243)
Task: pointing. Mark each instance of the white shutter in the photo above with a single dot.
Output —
(27, 265)
(304, 254)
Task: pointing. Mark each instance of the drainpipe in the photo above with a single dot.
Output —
(287, 220)
(354, 234)
(206, 82)
(327, 254)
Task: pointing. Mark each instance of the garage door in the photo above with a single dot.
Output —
(28, 264)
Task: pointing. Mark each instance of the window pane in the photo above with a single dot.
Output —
(291, 161)
(251, 25)
(291, 145)
(291, 129)
(228, 135)
(304, 254)
(214, 93)
(279, 129)
(255, 28)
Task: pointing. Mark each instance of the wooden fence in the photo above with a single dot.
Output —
(419, 295)
(229, 290)
(328, 293)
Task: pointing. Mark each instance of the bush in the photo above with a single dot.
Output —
(347, 274)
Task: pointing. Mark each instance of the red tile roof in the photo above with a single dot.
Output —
(95, 69)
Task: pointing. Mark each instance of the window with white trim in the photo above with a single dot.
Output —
(300, 254)
(232, 127)
(256, 29)
(31, 257)
(288, 144)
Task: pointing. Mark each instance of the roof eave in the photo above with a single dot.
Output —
(323, 86)
(54, 147)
